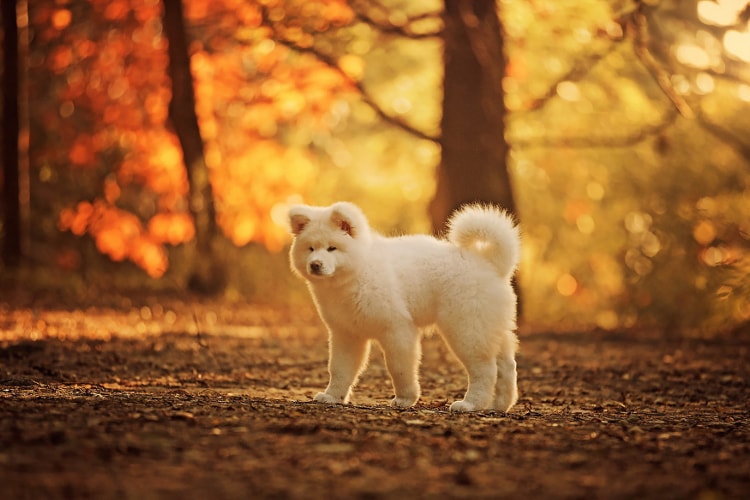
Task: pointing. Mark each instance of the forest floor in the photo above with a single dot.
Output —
(163, 398)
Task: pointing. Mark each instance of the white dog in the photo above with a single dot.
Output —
(370, 287)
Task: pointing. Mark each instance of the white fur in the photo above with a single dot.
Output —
(369, 287)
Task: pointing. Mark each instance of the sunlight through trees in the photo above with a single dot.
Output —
(617, 130)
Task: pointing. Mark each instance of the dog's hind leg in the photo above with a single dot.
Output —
(506, 388)
(479, 359)
(482, 376)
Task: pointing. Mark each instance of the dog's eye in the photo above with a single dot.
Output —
(311, 249)
(331, 249)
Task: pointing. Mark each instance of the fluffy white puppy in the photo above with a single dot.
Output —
(370, 287)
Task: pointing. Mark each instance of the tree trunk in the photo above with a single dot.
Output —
(11, 251)
(208, 275)
(474, 151)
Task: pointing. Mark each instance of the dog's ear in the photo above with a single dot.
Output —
(348, 218)
(341, 221)
(298, 219)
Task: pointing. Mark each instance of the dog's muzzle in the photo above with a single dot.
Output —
(316, 267)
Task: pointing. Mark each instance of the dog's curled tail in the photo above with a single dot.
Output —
(488, 231)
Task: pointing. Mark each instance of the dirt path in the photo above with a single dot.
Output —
(205, 401)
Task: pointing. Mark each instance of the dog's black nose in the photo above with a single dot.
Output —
(315, 267)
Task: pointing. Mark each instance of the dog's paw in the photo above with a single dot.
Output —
(403, 402)
(505, 400)
(462, 406)
(323, 397)
(504, 403)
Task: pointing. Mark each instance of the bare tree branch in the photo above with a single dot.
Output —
(577, 73)
(580, 68)
(367, 98)
(407, 29)
(729, 68)
(639, 25)
(331, 62)
(588, 142)
(724, 135)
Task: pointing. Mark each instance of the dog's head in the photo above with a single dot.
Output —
(327, 239)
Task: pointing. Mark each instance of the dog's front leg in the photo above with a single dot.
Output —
(347, 359)
(402, 355)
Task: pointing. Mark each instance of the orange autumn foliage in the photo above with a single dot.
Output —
(109, 61)
(120, 235)
(172, 228)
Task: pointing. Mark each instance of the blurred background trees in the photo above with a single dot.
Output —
(11, 242)
(616, 130)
